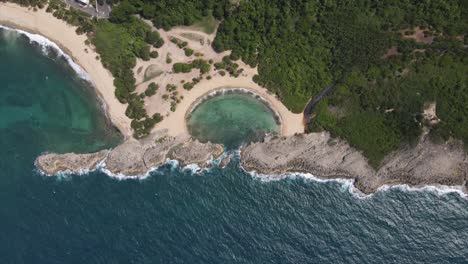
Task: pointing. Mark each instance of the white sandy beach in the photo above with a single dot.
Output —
(64, 35)
(40, 22)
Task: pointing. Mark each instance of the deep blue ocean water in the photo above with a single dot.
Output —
(176, 216)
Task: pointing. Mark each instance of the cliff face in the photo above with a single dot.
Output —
(134, 157)
(319, 154)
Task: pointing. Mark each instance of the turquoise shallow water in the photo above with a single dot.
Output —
(175, 216)
(232, 119)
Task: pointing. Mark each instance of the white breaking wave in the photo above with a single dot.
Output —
(348, 184)
(45, 43)
(101, 167)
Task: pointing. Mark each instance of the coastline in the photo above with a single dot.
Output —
(320, 156)
(175, 123)
(71, 44)
(345, 163)
(243, 91)
(64, 36)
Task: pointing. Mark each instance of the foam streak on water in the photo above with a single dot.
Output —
(348, 184)
(45, 43)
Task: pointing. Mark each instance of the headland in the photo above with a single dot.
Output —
(292, 151)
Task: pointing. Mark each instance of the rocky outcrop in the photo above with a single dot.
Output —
(134, 157)
(51, 164)
(186, 155)
(325, 157)
(316, 153)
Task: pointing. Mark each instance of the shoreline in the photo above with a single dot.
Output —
(69, 43)
(427, 164)
(23, 20)
(347, 183)
(176, 124)
(226, 91)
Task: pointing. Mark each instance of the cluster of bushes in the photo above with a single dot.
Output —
(151, 90)
(180, 44)
(174, 96)
(72, 16)
(119, 41)
(188, 52)
(200, 64)
(168, 13)
(229, 65)
(189, 85)
(143, 127)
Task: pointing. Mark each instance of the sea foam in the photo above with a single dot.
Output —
(45, 44)
(348, 184)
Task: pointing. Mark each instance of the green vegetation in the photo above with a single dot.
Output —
(151, 90)
(188, 52)
(154, 54)
(145, 53)
(143, 128)
(180, 44)
(188, 86)
(200, 64)
(168, 58)
(301, 47)
(168, 13)
(119, 41)
(231, 67)
(206, 24)
(71, 16)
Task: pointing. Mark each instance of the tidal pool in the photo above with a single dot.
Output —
(231, 119)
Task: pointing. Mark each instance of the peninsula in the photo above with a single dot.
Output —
(150, 72)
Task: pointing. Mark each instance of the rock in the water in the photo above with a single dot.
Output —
(194, 152)
(51, 164)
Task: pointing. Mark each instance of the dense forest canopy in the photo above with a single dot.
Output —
(303, 46)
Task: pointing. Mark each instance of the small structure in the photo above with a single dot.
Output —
(83, 2)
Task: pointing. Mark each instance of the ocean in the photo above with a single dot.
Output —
(176, 215)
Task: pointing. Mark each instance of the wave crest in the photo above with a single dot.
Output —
(348, 184)
(45, 44)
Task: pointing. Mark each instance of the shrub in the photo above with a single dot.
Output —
(159, 43)
(256, 78)
(145, 53)
(152, 37)
(182, 67)
(154, 54)
(151, 90)
(188, 86)
(188, 52)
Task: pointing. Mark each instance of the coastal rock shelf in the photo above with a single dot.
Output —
(316, 153)
(134, 157)
(325, 157)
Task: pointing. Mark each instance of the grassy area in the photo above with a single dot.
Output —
(207, 24)
(193, 37)
(151, 72)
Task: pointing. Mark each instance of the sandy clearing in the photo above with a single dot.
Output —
(175, 122)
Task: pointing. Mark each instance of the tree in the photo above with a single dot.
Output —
(145, 53)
